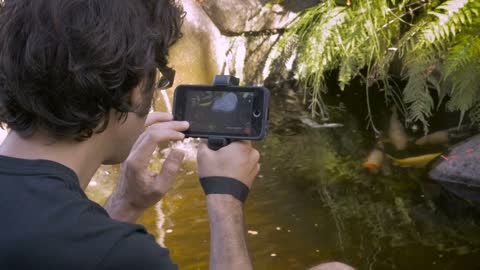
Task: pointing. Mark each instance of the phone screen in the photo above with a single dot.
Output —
(220, 112)
(233, 112)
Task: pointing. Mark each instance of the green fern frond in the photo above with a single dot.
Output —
(464, 54)
(416, 93)
(437, 42)
(425, 50)
(444, 22)
(451, 15)
(462, 70)
(349, 68)
(465, 90)
(421, 105)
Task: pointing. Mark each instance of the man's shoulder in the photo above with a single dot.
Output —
(137, 251)
(122, 245)
(49, 223)
(74, 233)
(119, 245)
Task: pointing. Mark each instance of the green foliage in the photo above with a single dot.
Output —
(436, 46)
(463, 70)
(437, 42)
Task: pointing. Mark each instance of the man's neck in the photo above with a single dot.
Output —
(83, 158)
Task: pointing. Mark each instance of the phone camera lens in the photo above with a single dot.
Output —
(257, 114)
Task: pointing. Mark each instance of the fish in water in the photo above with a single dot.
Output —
(438, 137)
(396, 132)
(374, 159)
(448, 135)
(309, 122)
(415, 162)
(331, 125)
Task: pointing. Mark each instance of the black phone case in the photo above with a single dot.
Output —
(265, 119)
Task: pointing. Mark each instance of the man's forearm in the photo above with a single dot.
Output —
(228, 247)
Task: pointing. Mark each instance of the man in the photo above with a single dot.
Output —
(76, 85)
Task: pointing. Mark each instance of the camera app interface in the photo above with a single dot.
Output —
(220, 112)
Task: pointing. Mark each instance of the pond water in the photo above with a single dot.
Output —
(312, 201)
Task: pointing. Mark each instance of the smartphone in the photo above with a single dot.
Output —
(230, 112)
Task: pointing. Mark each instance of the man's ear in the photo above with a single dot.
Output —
(140, 99)
(136, 98)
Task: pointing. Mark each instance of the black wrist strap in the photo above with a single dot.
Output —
(225, 185)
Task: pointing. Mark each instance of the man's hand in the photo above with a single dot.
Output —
(239, 160)
(138, 187)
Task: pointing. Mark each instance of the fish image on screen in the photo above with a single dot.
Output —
(220, 112)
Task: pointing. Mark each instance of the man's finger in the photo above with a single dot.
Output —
(154, 135)
(203, 146)
(203, 150)
(172, 125)
(169, 169)
(255, 155)
(257, 169)
(147, 143)
(241, 146)
(158, 117)
(244, 142)
(249, 143)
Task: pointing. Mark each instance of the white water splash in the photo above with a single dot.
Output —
(160, 223)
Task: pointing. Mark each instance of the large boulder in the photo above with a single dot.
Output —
(243, 35)
(233, 17)
(459, 169)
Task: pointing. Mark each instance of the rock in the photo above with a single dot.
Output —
(258, 49)
(458, 171)
(241, 36)
(256, 59)
(233, 17)
(194, 56)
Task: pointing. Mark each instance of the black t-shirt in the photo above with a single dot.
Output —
(47, 222)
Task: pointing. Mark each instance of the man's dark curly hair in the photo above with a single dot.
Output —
(65, 64)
